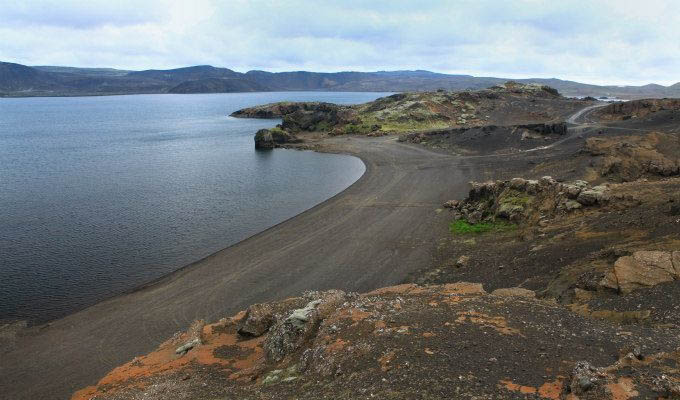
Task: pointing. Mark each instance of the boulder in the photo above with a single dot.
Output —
(547, 181)
(183, 349)
(474, 217)
(264, 139)
(288, 335)
(596, 195)
(518, 183)
(571, 205)
(572, 191)
(258, 319)
(451, 204)
(462, 261)
(532, 186)
(271, 138)
(510, 211)
(641, 270)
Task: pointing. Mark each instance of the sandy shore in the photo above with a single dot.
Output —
(371, 235)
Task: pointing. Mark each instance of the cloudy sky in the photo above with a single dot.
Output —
(595, 41)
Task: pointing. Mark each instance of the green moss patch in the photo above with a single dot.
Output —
(462, 227)
(515, 198)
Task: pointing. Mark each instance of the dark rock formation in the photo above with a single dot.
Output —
(636, 108)
(274, 137)
(304, 116)
(264, 139)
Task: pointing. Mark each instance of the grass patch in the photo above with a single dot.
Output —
(462, 227)
(391, 125)
(354, 129)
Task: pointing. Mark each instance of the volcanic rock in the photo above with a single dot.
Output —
(641, 270)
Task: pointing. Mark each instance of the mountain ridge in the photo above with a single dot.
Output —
(17, 80)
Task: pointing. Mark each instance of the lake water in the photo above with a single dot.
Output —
(99, 195)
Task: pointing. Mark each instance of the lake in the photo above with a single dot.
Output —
(99, 195)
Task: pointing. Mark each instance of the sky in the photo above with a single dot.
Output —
(597, 41)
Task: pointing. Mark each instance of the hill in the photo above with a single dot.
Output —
(510, 103)
(21, 80)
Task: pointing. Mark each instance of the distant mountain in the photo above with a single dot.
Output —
(20, 80)
(101, 72)
(186, 74)
(217, 85)
(17, 78)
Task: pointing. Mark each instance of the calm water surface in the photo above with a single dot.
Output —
(101, 194)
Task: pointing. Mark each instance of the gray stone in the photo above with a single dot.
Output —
(572, 191)
(596, 195)
(474, 217)
(188, 346)
(462, 261)
(532, 186)
(570, 205)
(547, 181)
(451, 204)
(300, 316)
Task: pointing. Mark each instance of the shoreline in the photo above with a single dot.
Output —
(181, 270)
(115, 330)
(28, 325)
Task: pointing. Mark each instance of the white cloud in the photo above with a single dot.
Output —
(607, 41)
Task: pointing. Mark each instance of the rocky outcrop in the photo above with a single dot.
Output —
(519, 199)
(258, 319)
(275, 137)
(636, 108)
(511, 104)
(303, 116)
(318, 117)
(274, 110)
(643, 269)
(264, 139)
(403, 342)
(291, 332)
(533, 89)
(629, 158)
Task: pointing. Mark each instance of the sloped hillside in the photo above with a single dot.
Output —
(403, 342)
